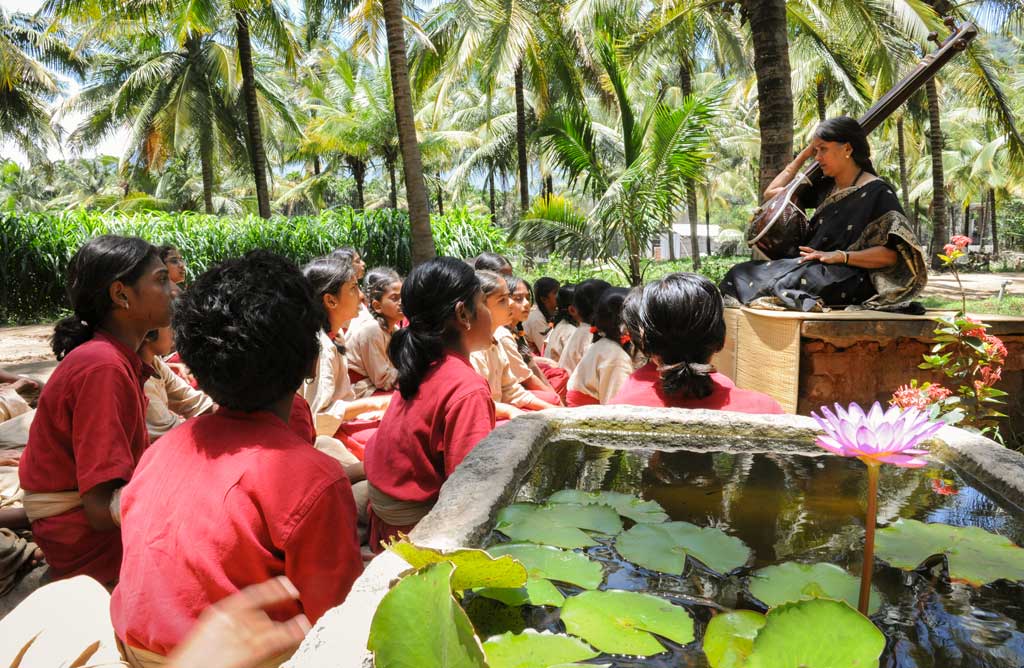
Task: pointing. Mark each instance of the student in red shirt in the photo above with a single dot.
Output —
(678, 322)
(90, 426)
(442, 408)
(236, 497)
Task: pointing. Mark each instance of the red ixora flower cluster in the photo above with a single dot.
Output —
(958, 243)
(921, 398)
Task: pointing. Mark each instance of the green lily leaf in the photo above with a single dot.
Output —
(627, 505)
(419, 624)
(552, 563)
(537, 591)
(622, 622)
(562, 524)
(975, 556)
(729, 638)
(817, 633)
(664, 547)
(473, 568)
(535, 650)
(791, 581)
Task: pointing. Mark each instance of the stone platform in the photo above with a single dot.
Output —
(806, 360)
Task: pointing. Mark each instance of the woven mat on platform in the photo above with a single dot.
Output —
(762, 353)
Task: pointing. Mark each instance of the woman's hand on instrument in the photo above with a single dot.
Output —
(808, 254)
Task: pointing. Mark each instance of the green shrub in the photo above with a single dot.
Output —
(567, 271)
(35, 248)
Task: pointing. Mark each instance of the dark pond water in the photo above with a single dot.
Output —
(792, 508)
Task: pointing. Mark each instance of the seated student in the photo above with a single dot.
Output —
(547, 380)
(233, 498)
(608, 362)
(442, 408)
(366, 341)
(584, 300)
(329, 392)
(542, 315)
(488, 261)
(564, 324)
(679, 324)
(510, 397)
(89, 430)
(171, 399)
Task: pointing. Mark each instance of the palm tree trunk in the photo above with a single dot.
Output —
(316, 165)
(440, 196)
(524, 183)
(358, 169)
(820, 95)
(939, 230)
(394, 181)
(707, 223)
(904, 186)
(254, 133)
(490, 195)
(774, 86)
(917, 218)
(992, 214)
(422, 243)
(686, 88)
(982, 221)
(206, 164)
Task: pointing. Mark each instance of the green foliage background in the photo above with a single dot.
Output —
(35, 248)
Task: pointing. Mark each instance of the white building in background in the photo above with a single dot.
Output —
(660, 249)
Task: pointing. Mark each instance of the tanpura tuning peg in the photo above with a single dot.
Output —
(933, 37)
(950, 23)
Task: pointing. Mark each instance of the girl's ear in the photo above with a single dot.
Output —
(375, 305)
(118, 293)
(329, 301)
(462, 316)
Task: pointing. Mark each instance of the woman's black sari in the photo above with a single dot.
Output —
(850, 219)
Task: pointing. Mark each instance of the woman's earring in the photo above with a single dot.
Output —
(468, 326)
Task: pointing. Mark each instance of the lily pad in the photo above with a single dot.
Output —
(561, 524)
(975, 556)
(537, 591)
(791, 581)
(729, 638)
(627, 505)
(552, 563)
(623, 622)
(535, 650)
(473, 568)
(665, 547)
(817, 633)
(419, 624)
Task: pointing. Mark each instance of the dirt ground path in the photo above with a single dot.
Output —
(27, 349)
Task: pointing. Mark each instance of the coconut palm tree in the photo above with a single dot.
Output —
(32, 58)
(636, 175)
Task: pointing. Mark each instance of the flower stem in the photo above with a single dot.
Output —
(963, 295)
(869, 537)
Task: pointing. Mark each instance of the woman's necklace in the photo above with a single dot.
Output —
(835, 186)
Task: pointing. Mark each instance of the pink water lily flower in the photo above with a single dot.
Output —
(887, 437)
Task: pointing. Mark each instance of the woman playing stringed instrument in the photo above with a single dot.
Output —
(862, 251)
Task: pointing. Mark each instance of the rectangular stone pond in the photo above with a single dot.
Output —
(759, 478)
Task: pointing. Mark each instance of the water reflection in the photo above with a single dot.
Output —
(805, 509)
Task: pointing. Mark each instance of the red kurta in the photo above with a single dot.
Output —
(643, 388)
(89, 428)
(422, 440)
(226, 501)
(301, 420)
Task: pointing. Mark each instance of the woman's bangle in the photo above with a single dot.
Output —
(846, 258)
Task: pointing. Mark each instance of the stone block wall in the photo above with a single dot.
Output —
(870, 370)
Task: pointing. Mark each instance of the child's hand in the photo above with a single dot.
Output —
(236, 633)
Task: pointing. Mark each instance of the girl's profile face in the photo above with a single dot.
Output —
(520, 300)
(344, 304)
(390, 303)
(148, 301)
(499, 305)
(481, 328)
(176, 269)
(360, 266)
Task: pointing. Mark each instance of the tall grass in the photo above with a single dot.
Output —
(35, 248)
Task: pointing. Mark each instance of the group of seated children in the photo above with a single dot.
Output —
(397, 385)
